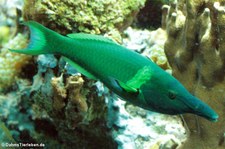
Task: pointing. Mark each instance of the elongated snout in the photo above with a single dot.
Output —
(200, 108)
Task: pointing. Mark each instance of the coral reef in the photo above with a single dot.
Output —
(134, 127)
(16, 113)
(148, 43)
(97, 17)
(9, 16)
(69, 107)
(195, 50)
(11, 64)
(9, 11)
(62, 109)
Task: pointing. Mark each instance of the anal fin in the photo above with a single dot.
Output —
(80, 69)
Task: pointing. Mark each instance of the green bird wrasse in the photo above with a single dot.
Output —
(130, 75)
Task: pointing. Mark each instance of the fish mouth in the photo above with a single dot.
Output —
(207, 112)
(198, 107)
(212, 118)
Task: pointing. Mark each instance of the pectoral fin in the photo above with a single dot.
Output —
(134, 84)
(121, 86)
(80, 69)
(127, 88)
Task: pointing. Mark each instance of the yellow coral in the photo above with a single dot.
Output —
(12, 63)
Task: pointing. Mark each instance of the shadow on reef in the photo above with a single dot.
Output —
(150, 15)
(195, 50)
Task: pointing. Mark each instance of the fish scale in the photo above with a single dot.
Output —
(105, 61)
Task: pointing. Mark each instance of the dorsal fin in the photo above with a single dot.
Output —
(84, 36)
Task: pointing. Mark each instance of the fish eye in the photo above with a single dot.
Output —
(171, 95)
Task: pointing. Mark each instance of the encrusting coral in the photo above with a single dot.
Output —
(195, 50)
(96, 17)
(11, 64)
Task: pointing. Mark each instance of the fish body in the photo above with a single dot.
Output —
(130, 75)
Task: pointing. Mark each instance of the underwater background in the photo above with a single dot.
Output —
(46, 103)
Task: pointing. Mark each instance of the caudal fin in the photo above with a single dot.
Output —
(40, 40)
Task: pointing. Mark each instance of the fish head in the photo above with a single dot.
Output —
(167, 95)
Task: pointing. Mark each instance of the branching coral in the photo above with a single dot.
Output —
(195, 50)
(98, 17)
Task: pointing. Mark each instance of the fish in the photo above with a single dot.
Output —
(133, 77)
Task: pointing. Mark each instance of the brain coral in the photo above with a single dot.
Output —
(98, 16)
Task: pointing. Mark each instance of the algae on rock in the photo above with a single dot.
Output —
(195, 49)
(96, 17)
